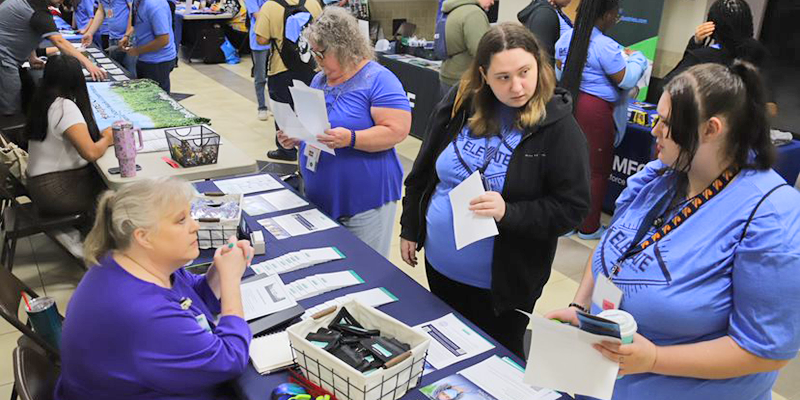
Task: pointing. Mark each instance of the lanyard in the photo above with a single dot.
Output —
(488, 154)
(564, 17)
(687, 211)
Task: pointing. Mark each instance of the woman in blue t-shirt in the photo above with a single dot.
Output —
(505, 123)
(369, 114)
(704, 250)
(597, 75)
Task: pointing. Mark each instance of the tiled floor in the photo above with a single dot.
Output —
(224, 93)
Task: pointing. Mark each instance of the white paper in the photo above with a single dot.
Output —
(248, 184)
(452, 341)
(93, 50)
(298, 260)
(297, 224)
(363, 27)
(309, 105)
(280, 200)
(468, 226)
(265, 295)
(271, 352)
(562, 358)
(316, 285)
(120, 77)
(502, 378)
(290, 124)
(373, 297)
(103, 60)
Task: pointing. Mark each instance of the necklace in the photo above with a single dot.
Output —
(142, 267)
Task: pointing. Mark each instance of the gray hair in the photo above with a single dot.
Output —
(141, 204)
(336, 31)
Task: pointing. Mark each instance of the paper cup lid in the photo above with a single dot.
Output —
(627, 324)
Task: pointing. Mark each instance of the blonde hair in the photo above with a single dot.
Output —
(336, 31)
(506, 36)
(141, 204)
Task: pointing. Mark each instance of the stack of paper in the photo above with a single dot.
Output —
(492, 379)
(279, 200)
(297, 260)
(248, 184)
(296, 224)
(263, 295)
(373, 298)
(562, 358)
(315, 285)
(452, 341)
(271, 353)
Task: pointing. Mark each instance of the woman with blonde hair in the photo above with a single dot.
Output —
(506, 123)
(369, 114)
(139, 325)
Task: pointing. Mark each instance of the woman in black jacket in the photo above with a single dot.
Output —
(505, 122)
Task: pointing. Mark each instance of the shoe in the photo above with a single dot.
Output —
(570, 233)
(263, 115)
(594, 235)
(284, 155)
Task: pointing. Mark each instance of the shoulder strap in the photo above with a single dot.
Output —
(753, 213)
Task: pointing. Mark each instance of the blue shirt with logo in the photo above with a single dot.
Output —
(354, 181)
(116, 17)
(604, 58)
(472, 265)
(703, 281)
(153, 19)
(84, 12)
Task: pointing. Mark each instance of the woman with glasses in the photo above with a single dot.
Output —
(369, 114)
(594, 69)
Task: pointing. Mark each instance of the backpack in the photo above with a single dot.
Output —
(295, 52)
(439, 39)
(211, 40)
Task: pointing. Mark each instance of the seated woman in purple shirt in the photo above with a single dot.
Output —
(140, 326)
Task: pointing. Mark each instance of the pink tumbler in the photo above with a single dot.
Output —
(125, 147)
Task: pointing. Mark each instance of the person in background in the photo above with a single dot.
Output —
(63, 139)
(155, 44)
(592, 67)
(270, 30)
(23, 26)
(467, 22)
(139, 325)
(259, 52)
(726, 36)
(236, 27)
(705, 249)
(506, 123)
(115, 15)
(547, 21)
(370, 114)
(82, 18)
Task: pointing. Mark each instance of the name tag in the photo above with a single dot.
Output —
(312, 157)
(606, 295)
(203, 322)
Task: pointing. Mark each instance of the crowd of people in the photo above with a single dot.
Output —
(701, 249)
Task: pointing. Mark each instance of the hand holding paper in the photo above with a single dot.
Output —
(290, 124)
(468, 226)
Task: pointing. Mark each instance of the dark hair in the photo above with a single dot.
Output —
(735, 93)
(501, 37)
(733, 30)
(589, 11)
(63, 77)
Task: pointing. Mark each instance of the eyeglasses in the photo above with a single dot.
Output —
(319, 54)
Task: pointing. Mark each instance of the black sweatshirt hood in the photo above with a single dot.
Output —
(526, 12)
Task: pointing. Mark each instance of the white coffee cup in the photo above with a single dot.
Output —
(627, 324)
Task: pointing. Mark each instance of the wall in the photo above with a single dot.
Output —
(422, 13)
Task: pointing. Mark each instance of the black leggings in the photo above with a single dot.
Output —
(475, 304)
(67, 192)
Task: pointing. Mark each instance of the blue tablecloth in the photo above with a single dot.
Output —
(416, 304)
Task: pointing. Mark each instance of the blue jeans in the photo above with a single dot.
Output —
(260, 72)
(374, 227)
(158, 72)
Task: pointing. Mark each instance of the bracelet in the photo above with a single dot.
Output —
(579, 307)
(352, 138)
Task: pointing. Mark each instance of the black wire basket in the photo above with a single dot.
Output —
(193, 146)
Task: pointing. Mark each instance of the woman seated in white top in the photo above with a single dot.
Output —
(63, 140)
